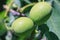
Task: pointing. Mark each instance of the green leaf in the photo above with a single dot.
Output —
(8, 1)
(2, 14)
(54, 21)
(2, 2)
(2, 25)
(2, 28)
(44, 28)
(51, 36)
(34, 0)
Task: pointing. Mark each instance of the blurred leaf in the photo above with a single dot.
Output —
(44, 37)
(17, 2)
(2, 15)
(54, 21)
(43, 28)
(27, 1)
(2, 2)
(2, 25)
(33, 0)
(23, 3)
(8, 1)
(2, 28)
(51, 36)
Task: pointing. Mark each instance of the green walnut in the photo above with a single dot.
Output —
(22, 24)
(39, 11)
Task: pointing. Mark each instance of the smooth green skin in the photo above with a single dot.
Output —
(22, 24)
(39, 11)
